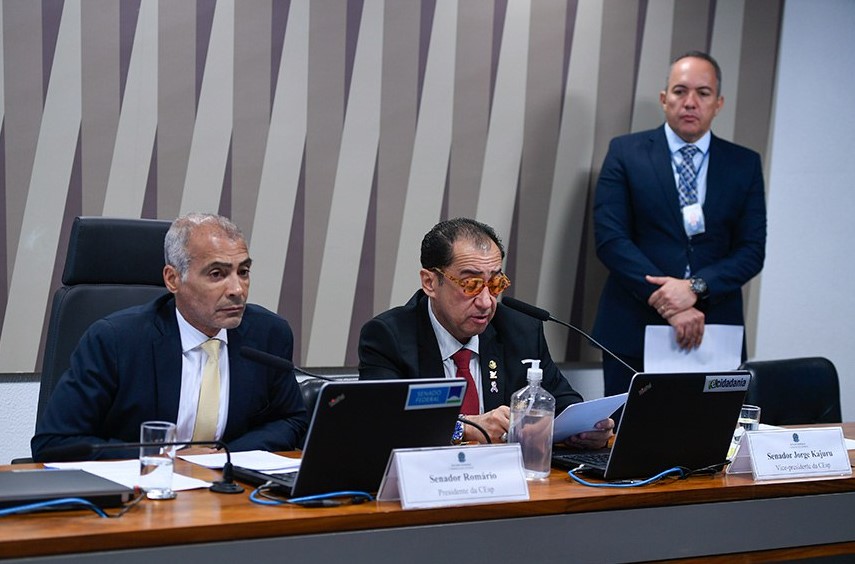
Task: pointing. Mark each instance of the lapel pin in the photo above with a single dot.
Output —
(494, 387)
(492, 364)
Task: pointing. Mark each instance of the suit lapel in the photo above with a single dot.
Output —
(239, 399)
(430, 360)
(715, 176)
(167, 361)
(660, 158)
(493, 369)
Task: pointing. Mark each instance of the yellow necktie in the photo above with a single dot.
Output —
(208, 409)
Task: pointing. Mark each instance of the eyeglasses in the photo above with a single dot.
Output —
(473, 286)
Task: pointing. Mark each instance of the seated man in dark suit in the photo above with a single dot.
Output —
(149, 362)
(456, 312)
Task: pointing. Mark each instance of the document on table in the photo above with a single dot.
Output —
(721, 349)
(581, 417)
(260, 460)
(127, 473)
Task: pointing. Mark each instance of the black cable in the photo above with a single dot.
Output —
(462, 419)
(262, 496)
(62, 503)
(626, 483)
(681, 473)
(707, 470)
(140, 495)
(69, 503)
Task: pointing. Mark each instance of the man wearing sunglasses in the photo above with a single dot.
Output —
(454, 326)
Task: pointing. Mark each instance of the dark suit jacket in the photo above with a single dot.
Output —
(638, 228)
(400, 343)
(127, 369)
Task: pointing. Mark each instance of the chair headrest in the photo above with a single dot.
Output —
(108, 250)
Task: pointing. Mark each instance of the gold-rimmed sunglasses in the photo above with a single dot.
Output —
(473, 286)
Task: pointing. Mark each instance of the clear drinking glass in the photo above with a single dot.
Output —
(749, 420)
(156, 462)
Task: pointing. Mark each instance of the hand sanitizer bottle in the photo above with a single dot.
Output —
(532, 415)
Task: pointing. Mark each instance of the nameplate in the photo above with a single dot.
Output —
(792, 454)
(454, 475)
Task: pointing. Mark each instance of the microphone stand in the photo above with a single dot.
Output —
(543, 315)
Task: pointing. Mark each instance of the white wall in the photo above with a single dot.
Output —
(18, 399)
(807, 289)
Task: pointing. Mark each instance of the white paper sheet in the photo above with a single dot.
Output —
(127, 473)
(260, 460)
(721, 349)
(581, 417)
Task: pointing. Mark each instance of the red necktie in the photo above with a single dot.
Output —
(470, 400)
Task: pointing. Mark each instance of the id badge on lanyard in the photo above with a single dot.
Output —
(693, 219)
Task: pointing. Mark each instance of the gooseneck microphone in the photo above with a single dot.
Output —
(277, 362)
(82, 451)
(543, 315)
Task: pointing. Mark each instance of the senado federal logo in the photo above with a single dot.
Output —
(726, 383)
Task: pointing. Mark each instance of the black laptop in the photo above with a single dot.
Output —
(669, 420)
(354, 428)
(22, 487)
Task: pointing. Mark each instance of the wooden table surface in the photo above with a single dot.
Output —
(199, 516)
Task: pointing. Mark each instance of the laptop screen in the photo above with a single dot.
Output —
(677, 419)
(356, 424)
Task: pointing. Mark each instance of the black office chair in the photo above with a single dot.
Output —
(311, 389)
(112, 263)
(794, 391)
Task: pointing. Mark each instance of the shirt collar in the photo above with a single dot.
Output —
(191, 337)
(675, 143)
(448, 344)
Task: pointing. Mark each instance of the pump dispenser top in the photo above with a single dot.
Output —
(534, 373)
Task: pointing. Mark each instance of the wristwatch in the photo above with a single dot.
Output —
(457, 437)
(699, 286)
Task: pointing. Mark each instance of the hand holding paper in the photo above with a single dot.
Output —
(721, 349)
(581, 417)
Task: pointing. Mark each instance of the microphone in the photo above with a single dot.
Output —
(277, 362)
(543, 315)
(82, 451)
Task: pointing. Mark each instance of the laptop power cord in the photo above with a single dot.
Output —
(679, 472)
(70, 503)
(261, 496)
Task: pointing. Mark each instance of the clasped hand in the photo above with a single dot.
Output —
(674, 301)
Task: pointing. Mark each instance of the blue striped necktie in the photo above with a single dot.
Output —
(688, 185)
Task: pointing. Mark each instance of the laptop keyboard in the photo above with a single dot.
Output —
(284, 482)
(571, 459)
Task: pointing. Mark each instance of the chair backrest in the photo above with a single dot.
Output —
(311, 387)
(794, 391)
(112, 263)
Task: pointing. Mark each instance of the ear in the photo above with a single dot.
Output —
(719, 104)
(662, 95)
(429, 282)
(171, 278)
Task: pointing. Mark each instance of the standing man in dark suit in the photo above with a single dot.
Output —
(679, 221)
(455, 327)
(149, 362)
